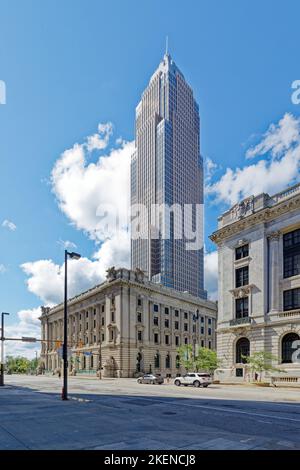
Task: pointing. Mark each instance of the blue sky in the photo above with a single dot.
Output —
(70, 65)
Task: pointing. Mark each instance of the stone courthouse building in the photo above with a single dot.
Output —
(259, 283)
(127, 325)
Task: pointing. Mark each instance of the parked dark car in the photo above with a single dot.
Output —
(151, 379)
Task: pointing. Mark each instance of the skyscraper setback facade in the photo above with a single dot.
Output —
(167, 172)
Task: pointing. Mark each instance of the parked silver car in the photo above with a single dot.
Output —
(150, 379)
(197, 379)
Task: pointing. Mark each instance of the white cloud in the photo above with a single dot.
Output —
(28, 324)
(9, 225)
(83, 188)
(2, 269)
(279, 169)
(99, 141)
(211, 274)
(278, 138)
(67, 245)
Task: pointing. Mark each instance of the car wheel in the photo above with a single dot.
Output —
(196, 383)
(177, 383)
(139, 381)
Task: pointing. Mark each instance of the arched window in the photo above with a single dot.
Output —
(168, 361)
(156, 360)
(242, 349)
(287, 347)
(138, 362)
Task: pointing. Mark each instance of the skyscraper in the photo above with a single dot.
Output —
(167, 170)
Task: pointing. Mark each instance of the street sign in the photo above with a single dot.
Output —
(27, 339)
(86, 353)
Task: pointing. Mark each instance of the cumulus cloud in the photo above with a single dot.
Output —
(99, 141)
(280, 167)
(67, 245)
(9, 225)
(28, 324)
(211, 274)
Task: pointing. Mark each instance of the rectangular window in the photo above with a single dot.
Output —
(140, 336)
(112, 316)
(241, 307)
(139, 317)
(102, 321)
(185, 315)
(167, 310)
(155, 308)
(94, 323)
(103, 337)
(177, 340)
(209, 344)
(209, 321)
(95, 339)
(185, 341)
(202, 330)
(166, 323)
(87, 314)
(102, 309)
(242, 276)
(186, 327)
(291, 299)
(242, 252)
(202, 343)
(111, 335)
(156, 338)
(155, 321)
(202, 319)
(176, 313)
(291, 254)
(167, 339)
(139, 302)
(209, 331)
(176, 325)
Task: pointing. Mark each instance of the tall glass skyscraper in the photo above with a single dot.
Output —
(167, 169)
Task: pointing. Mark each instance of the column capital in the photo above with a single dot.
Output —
(274, 235)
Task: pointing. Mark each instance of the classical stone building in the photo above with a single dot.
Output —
(127, 325)
(259, 283)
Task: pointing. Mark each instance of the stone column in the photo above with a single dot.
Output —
(274, 271)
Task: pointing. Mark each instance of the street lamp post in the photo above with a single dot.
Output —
(65, 345)
(2, 348)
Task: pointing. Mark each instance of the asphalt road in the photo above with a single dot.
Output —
(119, 414)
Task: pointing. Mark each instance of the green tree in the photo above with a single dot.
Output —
(260, 362)
(207, 360)
(185, 353)
(18, 365)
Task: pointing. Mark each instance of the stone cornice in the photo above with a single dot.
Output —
(264, 215)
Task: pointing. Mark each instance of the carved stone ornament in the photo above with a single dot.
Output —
(139, 275)
(111, 273)
(242, 209)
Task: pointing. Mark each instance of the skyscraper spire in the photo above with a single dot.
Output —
(167, 45)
